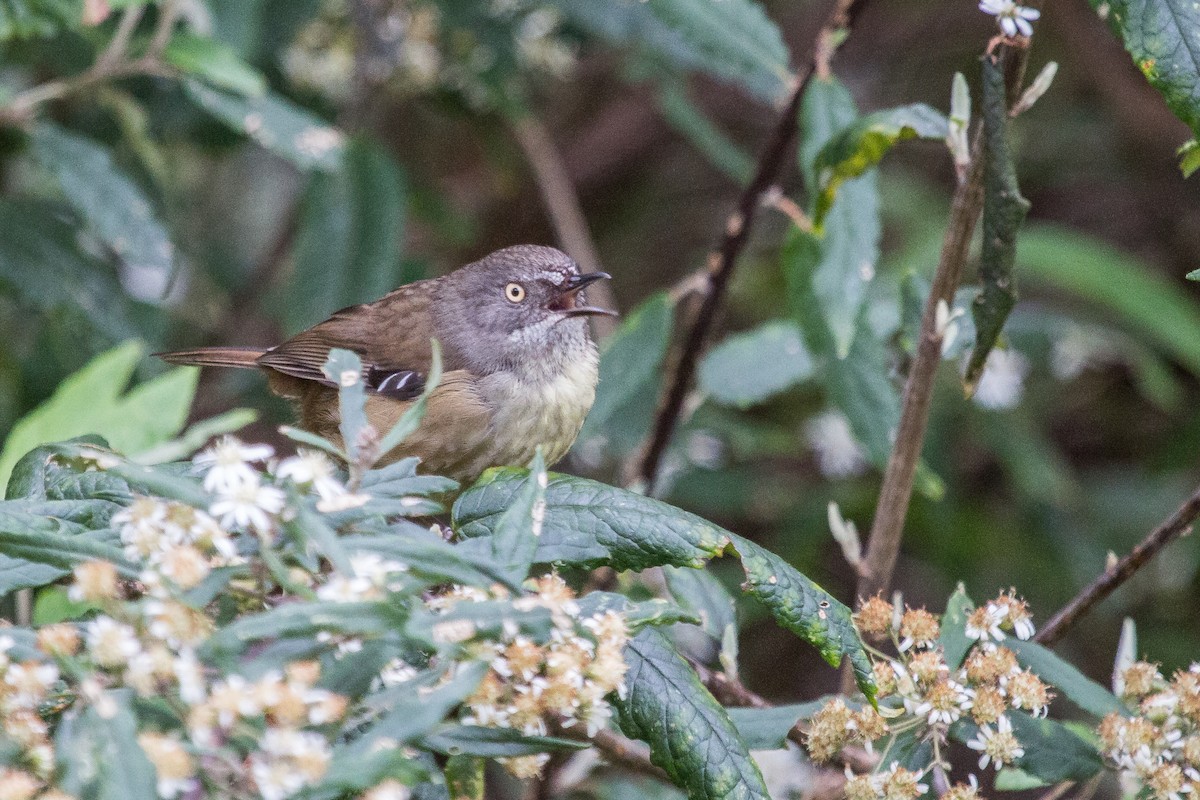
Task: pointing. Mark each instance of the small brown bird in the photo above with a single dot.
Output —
(520, 367)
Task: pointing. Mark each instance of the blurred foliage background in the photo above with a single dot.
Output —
(242, 168)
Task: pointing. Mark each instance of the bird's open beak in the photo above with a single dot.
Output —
(567, 299)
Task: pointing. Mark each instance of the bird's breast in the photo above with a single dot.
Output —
(540, 409)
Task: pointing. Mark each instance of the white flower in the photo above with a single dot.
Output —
(1003, 380)
(838, 453)
(111, 643)
(983, 624)
(312, 468)
(1013, 18)
(999, 746)
(228, 463)
(248, 505)
(396, 672)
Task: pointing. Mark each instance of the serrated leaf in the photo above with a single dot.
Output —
(1004, 210)
(58, 546)
(215, 63)
(690, 735)
(1081, 690)
(863, 144)
(1160, 35)
(630, 371)
(473, 740)
(349, 237)
(768, 728)
(751, 367)
(94, 401)
(590, 524)
(733, 39)
(44, 266)
(845, 248)
(275, 124)
(113, 205)
(515, 538)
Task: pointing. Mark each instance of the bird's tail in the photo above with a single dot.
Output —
(244, 357)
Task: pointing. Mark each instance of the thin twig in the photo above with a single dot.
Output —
(562, 206)
(115, 52)
(887, 529)
(168, 14)
(619, 751)
(1173, 527)
(722, 260)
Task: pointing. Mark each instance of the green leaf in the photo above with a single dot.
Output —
(344, 368)
(53, 605)
(350, 235)
(93, 400)
(953, 638)
(1189, 157)
(768, 728)
(638, 614)
(28, 19)
(410, 420)
(465, 777)
(748, 368)
(700, 591)
(1081, 690)
(845, 248)
(590, 524)
(1011, 779)
(1004, 210)
(214, 63)
(863, 144)
(1160, 35)
(412, 709)
(196, 436)
(113, 205)
(732, 39)
(630, 371)
(307, 619)
(699, 130)
(43, 264)
(122, 771)
(275, 124)
(56, 543)
(1052, 752)
(690, 735)
(1130, 293)
(400, 479)
(515, 538)
(308, 526)
(432, 558)
(472, 740)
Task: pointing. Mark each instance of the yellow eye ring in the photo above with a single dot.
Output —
(514, 293)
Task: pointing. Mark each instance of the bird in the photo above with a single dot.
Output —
(520, 366)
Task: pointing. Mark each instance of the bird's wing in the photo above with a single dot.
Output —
(390, 335)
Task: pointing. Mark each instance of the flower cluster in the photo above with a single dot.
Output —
(1159, 747)
(563, 680)
(920, 693)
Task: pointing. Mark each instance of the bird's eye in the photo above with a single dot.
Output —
(514, 292)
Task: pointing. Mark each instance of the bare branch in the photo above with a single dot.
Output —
(619, 751)
(722, 260)
(1173, 527)
(562, 206)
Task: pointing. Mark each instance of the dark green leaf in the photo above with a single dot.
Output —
(847, 242)
(700, 591)
(472, 740)
(113, 205)
(408, 713)
(732, 39)
(637, 613)
(275, 124)
(308, 619)
(690, 121)
(863, 144)
(748, 368)
(27, 19)
(42, 264)
(400, 479)
(1160, 35)
(307, 525)
(351, 230)
(1052, 752)
(592, 524)
(515, 537)
(768, 728)
(690, 736)
(53, 543)
(1004, 210)
(953, 638)
(1081, 690)
(630, 370)
(214, 63)
(430, 557)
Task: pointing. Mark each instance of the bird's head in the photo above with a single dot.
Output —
(517, 305)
